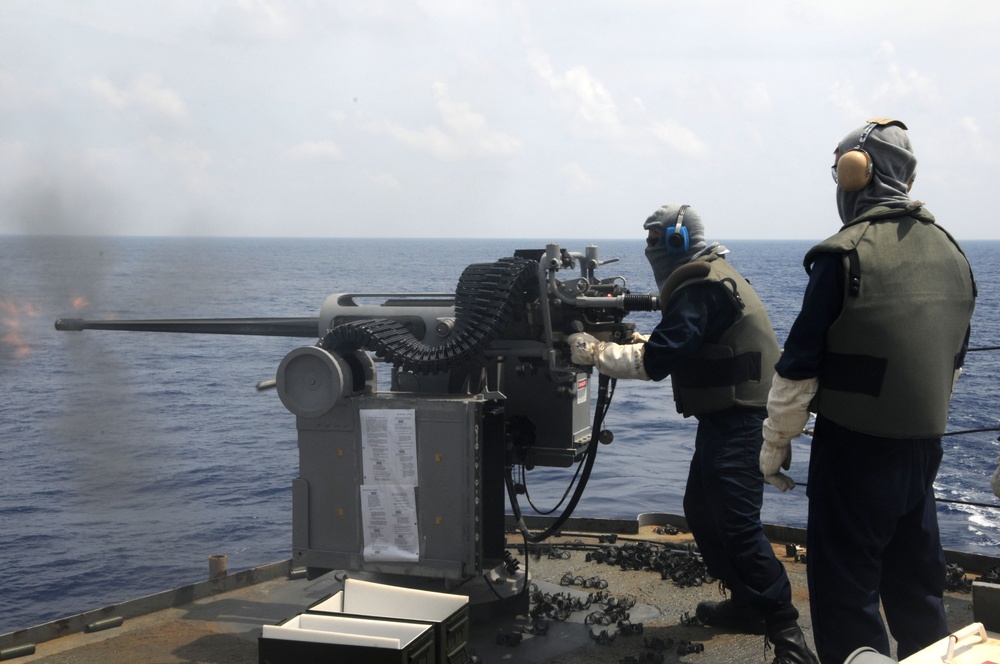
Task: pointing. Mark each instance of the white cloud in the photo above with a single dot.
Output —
(248, 20)
(105, 163)
(430, 140)
(581, 99)
(680, 138)
(588, 109)
(382, 180)
(16, 93)
(577, 178)
(757, 99)
(316, 150)
(107, 92)
(900, 83)
(886, 49)
(845, 97)
(184, 154)
(146, 91)
(466, 133)
(970, 124)
(187, 160)
(248, 100)
(884, 86)
(980, 145)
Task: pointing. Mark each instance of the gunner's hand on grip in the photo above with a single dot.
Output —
(637, 338)
(611, 359)
(581, 348)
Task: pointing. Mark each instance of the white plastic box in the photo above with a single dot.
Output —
(447, 613)
(970, 645)
(320, 639)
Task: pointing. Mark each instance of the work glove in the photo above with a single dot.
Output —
(772, 458)
(787, 414)
(637, 338)
(995, 483)
(611, 359)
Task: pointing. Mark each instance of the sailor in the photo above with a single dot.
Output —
(875, 352)
(716, 342)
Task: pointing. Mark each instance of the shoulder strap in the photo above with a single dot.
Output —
(686, 272)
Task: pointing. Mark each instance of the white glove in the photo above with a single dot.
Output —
(773, 457)
(611, 359)
(787, 414)
(637, 338)
(995, 483)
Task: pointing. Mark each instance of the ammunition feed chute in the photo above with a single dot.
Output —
(485, 298)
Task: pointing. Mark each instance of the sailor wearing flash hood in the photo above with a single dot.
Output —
(675, 223)
(875, 351)
(716, 343)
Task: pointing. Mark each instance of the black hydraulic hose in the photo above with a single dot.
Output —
(569, 488)
(600, 410)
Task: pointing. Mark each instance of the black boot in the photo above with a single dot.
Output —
(730, 614)
(789, 644)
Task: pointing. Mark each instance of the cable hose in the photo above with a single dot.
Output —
(965, 431)
(600, 410)
(936, 499)
(948, 433)
(569, 487)
(485, 300)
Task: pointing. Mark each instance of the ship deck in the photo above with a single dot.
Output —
(219, 622)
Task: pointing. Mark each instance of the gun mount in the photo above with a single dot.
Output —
(412, 481)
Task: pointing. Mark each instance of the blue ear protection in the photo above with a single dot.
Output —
(677, 240)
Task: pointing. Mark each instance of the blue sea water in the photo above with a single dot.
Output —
(129, 458)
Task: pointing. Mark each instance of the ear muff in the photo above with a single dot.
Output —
(677, 239)
(854, 168)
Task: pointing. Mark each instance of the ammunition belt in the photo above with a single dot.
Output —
(485, 298)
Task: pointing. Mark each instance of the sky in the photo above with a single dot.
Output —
(490, 118)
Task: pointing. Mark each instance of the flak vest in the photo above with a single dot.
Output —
(892, 354)
(736, 369)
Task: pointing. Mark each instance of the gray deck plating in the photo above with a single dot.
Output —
(219, 621)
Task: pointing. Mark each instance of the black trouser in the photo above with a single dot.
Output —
(725, 490)
(873, 534)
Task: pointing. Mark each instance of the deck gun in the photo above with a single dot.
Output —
(412, 480)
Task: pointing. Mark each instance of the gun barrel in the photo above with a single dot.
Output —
(264, 327)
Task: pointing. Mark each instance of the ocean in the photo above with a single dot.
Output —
(130, 458)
